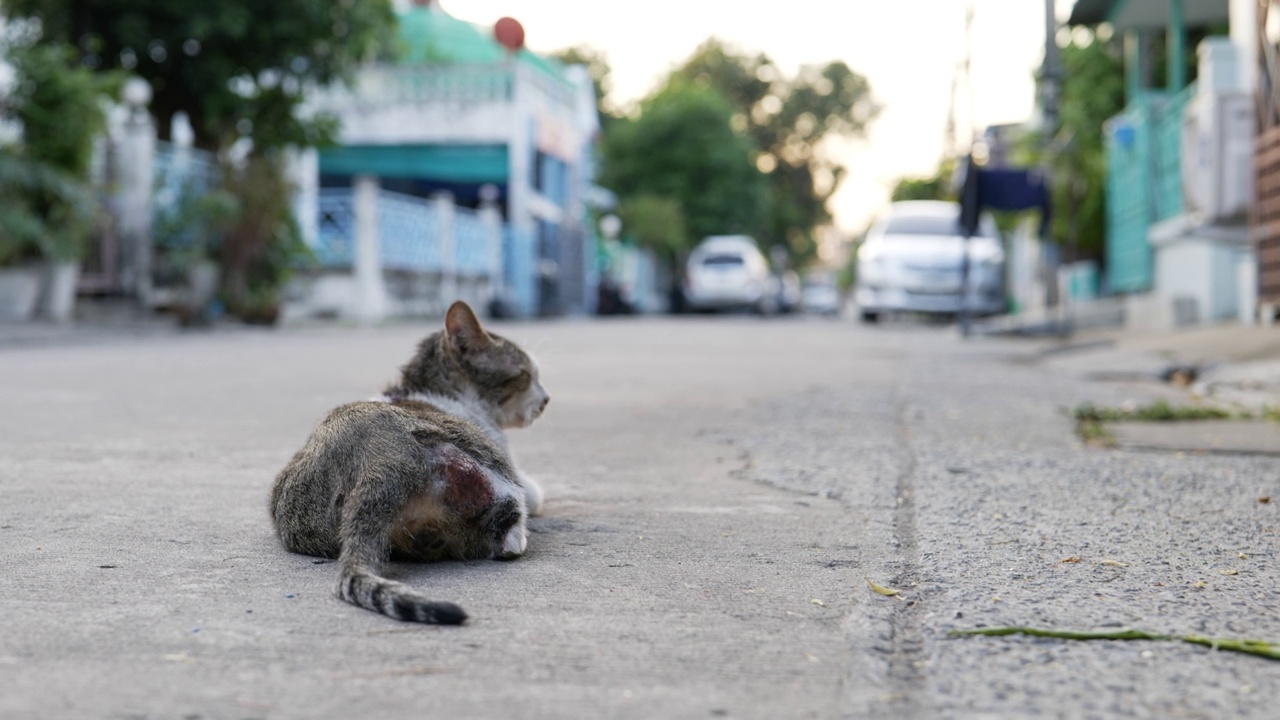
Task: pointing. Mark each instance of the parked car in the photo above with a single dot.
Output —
(820, 295)
(912, 261)
(728, 272)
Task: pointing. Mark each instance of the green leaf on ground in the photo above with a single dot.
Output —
(1257, 648)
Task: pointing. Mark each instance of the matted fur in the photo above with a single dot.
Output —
(421, 472)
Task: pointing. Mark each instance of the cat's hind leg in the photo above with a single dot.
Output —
(504, 525)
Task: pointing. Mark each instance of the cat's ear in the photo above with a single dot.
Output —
(462, 327)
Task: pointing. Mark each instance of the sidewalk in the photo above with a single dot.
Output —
(1232, 367)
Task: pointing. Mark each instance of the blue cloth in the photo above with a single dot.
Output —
(1003, 189)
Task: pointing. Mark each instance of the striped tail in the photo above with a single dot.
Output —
(360, 587)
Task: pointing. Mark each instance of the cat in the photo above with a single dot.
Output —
(422, 472)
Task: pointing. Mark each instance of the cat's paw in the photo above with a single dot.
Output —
(532, 495)
(513, 545)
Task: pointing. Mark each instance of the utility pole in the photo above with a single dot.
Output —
(969, 189)
(1050, 74)
(1050, 99)
(951, 140)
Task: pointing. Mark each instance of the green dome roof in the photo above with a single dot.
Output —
(429, 36)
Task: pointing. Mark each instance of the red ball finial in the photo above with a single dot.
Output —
(510, 33)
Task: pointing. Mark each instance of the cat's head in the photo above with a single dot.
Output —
(491, 369)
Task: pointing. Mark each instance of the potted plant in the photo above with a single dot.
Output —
(45, 215)
(188, 237)
(264, 245)
(49, 206)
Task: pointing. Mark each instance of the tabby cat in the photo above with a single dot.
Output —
(422, 472)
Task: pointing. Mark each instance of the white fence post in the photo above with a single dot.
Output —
(448, 245)
(137, 154)
(491, 218)
(371, 294)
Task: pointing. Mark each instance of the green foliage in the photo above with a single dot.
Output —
(657, 223)
(263, 246)
(931, 188)
(237, 68)
(43, 211)
(599, 70)
(192, 230)
(1257, 648)
(58, 104)
(1091, 420)
(1092, 92)
(682, 145)
(46, 206)
(1158, 411)
(788, 118)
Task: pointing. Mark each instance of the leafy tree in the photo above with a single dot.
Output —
(45, 202)
(264, 244)
(935, 187)
(788, 118)
(598, 68)
(657, 223)
(236, 68)
(682, 146)
(1092, 92)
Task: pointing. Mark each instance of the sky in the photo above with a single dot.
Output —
(907, 49)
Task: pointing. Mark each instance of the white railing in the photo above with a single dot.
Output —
(414, 234)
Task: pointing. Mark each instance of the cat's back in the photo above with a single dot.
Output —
(384, 432)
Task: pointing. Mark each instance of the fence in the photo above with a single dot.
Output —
(411, 234)
(1144, 182)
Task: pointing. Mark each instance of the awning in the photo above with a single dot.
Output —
(1135, 14)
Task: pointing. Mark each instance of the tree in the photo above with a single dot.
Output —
(236, 68)
(45, 201)
(788, 118)
(935, 187)
(1092, 92)
(682, 147)
(598, 68)
(657, 223)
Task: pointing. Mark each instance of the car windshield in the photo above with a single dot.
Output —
(722, 260)
(923, 225)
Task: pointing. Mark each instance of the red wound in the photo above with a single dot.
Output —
(467, 488)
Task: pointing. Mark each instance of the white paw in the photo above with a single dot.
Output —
(532, 495)
(514, 543)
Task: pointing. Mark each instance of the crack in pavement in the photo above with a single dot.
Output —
(906, 636)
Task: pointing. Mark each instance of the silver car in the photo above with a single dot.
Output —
(728, 272)
(912, 261)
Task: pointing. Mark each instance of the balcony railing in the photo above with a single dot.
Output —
(409, 234)
(378, 87)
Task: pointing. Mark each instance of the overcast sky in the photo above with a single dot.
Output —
(908, 49)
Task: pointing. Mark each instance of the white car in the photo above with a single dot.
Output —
(728, 272)
(912, 261)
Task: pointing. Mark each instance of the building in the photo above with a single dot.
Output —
(1265, 220)
(474, 161)
(1179, 175)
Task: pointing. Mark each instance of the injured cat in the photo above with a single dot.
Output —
(422, 472)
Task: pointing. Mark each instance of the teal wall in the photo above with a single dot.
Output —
(446, 163)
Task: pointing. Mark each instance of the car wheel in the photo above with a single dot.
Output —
(870, 317)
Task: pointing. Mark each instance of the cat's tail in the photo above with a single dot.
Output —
(360, 586)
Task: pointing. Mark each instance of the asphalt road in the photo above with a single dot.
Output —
(719, 492)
